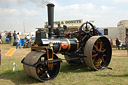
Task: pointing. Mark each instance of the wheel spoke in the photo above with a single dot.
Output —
(96, 47)
(96, 43)
(104, 50)
(40, 70)
(95, 55)
(94, 59)
(101, 45)
(47, 74)
(102, 59)
(93, 51)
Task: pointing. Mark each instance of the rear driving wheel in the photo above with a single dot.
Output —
(98, 51)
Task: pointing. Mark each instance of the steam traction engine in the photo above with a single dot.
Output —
(83, 46)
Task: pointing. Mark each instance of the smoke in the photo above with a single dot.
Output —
(40, 3)
(37, 3)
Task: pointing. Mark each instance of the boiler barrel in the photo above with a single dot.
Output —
(62, 45)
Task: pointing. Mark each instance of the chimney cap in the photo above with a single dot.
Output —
(50, 4)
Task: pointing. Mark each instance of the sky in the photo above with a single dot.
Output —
(31, 14)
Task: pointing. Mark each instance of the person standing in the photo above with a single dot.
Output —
(1, 37)
(18, 41)
(111, 42)
(118, 43)
(10, 36)
(126, 41)
(14, 35)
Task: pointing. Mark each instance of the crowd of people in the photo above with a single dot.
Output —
(17, 41)
(8, 37)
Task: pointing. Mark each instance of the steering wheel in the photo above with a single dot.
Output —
(89, 32)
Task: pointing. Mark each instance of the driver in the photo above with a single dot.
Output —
(98, 31)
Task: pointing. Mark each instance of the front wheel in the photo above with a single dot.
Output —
(41, 71)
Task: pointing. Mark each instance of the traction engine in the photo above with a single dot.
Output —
(84, 46)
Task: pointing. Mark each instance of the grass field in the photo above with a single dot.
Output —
(69, 75)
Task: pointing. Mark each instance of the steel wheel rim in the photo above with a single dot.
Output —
(35, 57)
(99, 56)
(44, 73)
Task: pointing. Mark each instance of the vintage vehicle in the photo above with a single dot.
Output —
(84, 46)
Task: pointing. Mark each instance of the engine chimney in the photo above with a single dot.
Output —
(50, 19)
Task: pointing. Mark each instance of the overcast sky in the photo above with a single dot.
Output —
(33, 13)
